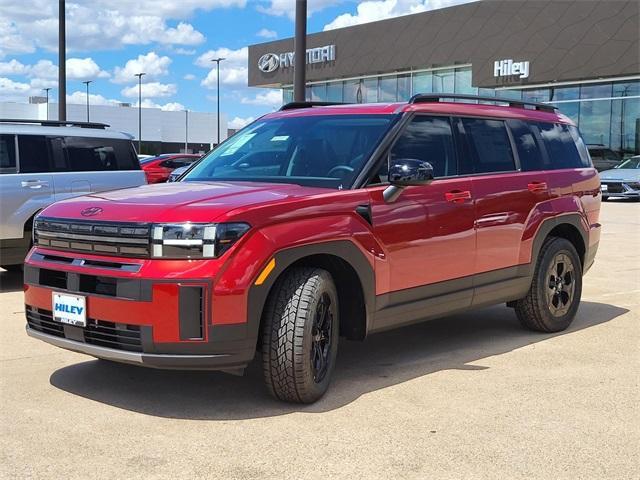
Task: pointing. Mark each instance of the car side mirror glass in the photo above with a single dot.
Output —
(404, 173)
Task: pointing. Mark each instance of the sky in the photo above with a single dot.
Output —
(173, 41)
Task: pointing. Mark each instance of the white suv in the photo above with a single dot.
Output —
(45, 161)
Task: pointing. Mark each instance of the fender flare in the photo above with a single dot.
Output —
(574, 219)
(343, 249)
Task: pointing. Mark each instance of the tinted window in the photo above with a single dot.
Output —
(94, 154)
(429, 139)
(488, 146)
(317, 150)
(560, 146)
(527, 146)
(7, 154)
(585, 159)
(34, 154)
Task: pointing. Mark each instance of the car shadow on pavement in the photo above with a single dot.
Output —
(10, 281)
(381, 361)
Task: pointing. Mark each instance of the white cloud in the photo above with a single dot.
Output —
(101, 24)
(266, 33)
(237, 122)
(233, 70)
(373, 10)
(189, 76)
(84, 69)
(13, 67)
(151, 90)
(270, 98)
(280, 8)
(80, 97)
(11, 90)
(44, 69)
(152, 64)
(169, 107)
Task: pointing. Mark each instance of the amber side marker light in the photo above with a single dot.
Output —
(266, 271)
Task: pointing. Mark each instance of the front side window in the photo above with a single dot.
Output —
(7, 154)
(35, 154)
(316, 150)
(488, 145)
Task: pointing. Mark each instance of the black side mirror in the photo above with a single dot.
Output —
(404, 173)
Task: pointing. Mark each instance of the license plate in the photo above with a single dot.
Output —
(604, 187)
(70, 309)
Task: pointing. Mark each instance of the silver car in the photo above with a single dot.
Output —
(45, 161)
(622, 181)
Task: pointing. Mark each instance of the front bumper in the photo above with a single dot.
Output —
(619, 190)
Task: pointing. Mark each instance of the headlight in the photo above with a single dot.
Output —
(194, 240)
(633, 185)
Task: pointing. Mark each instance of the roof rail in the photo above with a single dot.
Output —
(55, 123)
(296, 105)
(437, 97)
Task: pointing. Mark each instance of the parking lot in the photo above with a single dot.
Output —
(470, 396)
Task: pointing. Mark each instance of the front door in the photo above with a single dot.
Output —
(428, 233)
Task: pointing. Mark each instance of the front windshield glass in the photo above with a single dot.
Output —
(633, 163)
(316, 150)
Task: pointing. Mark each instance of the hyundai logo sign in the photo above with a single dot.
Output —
(270, 62)
(91, 211)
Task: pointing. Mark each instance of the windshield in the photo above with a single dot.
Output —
(633, 163)
(316, 150)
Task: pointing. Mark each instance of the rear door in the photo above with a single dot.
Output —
(30, 187)
(427, 233)
(505, 193)
(95, 165)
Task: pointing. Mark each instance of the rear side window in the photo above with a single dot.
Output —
(429, 139)
(488, 146)
(7, 154)
(96, 154)
(35, 154)
(560, 146)
(527, 146)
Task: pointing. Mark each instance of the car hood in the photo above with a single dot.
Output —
(625, 174)
(176, 202)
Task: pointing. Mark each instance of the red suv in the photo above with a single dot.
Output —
(157, 169)
(320, 221)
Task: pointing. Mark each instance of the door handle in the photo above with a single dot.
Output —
(34, 184)
(457, 196)
(537, 187)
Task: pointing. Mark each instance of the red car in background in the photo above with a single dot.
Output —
(157, 169)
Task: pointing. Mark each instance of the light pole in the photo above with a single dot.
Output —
(87, 82)
(47, 92)
(186, 131)
(139, 75)
(218, 60)
(62, 63)
(300, 47)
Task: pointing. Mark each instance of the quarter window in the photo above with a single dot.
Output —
(7, 154)
(560, 145)
(488, 146)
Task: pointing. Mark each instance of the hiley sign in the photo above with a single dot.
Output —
(270, 62)
(509, 68)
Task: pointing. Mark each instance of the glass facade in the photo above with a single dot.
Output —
(607, 113)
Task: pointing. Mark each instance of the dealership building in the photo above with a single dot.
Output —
(582, 56)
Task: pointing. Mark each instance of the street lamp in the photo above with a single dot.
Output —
(186, 131)
(87, 82)
(139, 75)
(47, 92)
(218, 60)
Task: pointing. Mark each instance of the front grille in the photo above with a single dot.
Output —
(614, 187)
(118, 336)
(102, 238)
(42, 321)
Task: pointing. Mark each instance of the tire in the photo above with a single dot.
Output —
(13, 268)
(298, 359)
(554, 297)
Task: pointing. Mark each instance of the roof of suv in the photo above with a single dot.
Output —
(517, 111)
(17, 127)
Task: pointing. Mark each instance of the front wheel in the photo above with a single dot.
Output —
(554, 296)
(300, 335)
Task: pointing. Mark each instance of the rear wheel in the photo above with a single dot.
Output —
(300, 335)
(554, 296)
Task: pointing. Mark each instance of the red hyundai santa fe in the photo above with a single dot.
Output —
(316, 222)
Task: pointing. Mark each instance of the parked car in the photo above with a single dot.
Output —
(623, 181)
(142, 156)
(45, 161)
(603, 158)
(174, 175)
(316, 222)
(157, 169)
